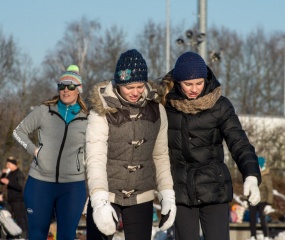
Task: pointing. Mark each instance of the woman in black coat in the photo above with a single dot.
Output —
(200, 118)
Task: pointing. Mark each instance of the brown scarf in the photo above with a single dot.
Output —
(197, 105)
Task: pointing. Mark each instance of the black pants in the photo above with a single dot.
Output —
(252, 217)
(214, 221)
(137, 222)
(19, 214)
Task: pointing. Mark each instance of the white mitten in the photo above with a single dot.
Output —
(268, 209)
(104, 215)
(168, 209)
(251, 190)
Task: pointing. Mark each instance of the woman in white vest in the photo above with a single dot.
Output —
(127, 154)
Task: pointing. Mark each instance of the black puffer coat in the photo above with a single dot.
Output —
(197, 129)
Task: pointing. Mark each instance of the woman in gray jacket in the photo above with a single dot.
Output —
(127, 154)
(56, 182)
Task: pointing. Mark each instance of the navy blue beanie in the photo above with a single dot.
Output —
(131, 67)
(188, 66)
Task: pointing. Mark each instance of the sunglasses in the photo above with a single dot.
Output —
(70, 87)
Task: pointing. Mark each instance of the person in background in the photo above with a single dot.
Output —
(14, 180)
(56, 181)
(199, 120)
(127, 154)
(3, 204)
(264, 207)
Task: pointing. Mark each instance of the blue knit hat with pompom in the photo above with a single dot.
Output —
(189, 66)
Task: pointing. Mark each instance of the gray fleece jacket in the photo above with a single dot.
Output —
(61, 146)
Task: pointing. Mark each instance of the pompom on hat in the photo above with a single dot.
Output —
(72, 76)
(189, 66)
(131, 67)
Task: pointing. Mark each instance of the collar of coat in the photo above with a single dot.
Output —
(104, 97)
(194, 106)
(207, 99)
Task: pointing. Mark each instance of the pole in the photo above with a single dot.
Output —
(284, 81)
(202, 23)
(167, 36)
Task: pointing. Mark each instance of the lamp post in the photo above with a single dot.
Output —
(167, 36)
(284, 81)
(215, 56)
(202, 25)
(194, 39)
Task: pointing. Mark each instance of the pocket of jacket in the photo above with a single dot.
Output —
(79, 156)
(38, 153)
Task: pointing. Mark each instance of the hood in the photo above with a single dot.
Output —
(104, 97)
(206, 100)
(211, 83)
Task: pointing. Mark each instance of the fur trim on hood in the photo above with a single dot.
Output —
(206, 100)
(103, 98)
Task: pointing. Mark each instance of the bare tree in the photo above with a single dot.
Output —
(262, 73)
(7, 59)
(11, 113)
(151, 43)
(104, 54)
(227, 70)
(152, 47)
(73, 48)
(11, 60)
(85, 45)
(251, 70)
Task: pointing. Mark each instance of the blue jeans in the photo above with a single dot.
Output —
(43, 200)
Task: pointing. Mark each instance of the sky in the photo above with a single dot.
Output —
(37, 26)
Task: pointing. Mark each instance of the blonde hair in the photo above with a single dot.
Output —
(167, 84)
(54, 100)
